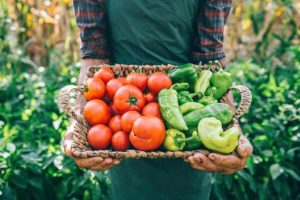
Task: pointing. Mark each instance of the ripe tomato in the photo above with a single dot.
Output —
(127, 120)
(120, 141)
(148, 133)
(112, 109)
(115, 123)
(95, 89)
(152, 109)
(138, 80)
(128, 98)
(96, 112)
(122, 79)
(112, 86)
(158, 81)
(99, 136)
(149, 97)
(105, 74)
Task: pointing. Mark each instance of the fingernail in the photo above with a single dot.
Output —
(212, 157)
(199, 160)
(191, 159)
(99, 159)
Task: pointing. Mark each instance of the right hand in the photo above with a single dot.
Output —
(95, 163)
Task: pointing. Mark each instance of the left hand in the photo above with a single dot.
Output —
(225, 164)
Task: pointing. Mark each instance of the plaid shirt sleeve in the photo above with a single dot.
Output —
(92, 23)
(210, 27)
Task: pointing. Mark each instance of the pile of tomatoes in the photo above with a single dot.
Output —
(123, 111)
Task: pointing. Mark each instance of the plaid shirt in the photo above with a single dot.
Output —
(208, 43)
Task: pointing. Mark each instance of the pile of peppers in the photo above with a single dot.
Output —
(192, 111)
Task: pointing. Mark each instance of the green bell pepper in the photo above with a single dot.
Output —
(192, 142)
(168, 103)
(189, 107)
(212, 136)
(203, 81)
(176, 141)
(183, 73)
(180, 87)
(222, 81)
(221, 111)
(206, 100)
(173, 140)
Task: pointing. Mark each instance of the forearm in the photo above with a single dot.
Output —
(209, 39)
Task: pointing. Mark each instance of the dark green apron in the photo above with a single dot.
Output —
(154, 32)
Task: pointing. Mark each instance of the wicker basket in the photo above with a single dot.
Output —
(80, 146)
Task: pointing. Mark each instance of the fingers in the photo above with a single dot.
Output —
(97, 163)
(88, 162)
(228, 161)
(201, 162)
(244, 148)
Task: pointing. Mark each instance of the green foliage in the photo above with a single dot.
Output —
(273, 126)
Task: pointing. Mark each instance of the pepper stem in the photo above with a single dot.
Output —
(186, 139)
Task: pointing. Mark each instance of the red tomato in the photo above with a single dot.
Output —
(122, 79)
(138, 80)
(120, 141)
(158, 81)
(149, 97)
(152, 109)
(95, 89)
(112, 86)
(105, 74)
(96, 112)
(115, 123)
(112, 109)
(127, 120)
(99, 136)
(128, 98)
(148, 133)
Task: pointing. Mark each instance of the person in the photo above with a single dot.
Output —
(156, 32)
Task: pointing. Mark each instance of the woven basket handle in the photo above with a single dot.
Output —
(64, 103)
(246, 99)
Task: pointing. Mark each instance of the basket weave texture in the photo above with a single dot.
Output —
(82, 149)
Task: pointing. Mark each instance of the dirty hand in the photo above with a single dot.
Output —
(225, 164)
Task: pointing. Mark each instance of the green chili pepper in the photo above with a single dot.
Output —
(203, 81)
(222, 81)
(173, 140)
(192, 142)
(189, 107)
(185, 96)
(221, 111)
(212, 136)
(180, 87)
(184, 73)
(169, 108)
(206, 100)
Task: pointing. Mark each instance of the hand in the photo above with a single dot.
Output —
(96, 163)
(225, 164)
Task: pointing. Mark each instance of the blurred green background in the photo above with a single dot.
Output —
(39, 55)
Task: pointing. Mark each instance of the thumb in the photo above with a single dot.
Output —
(67, 143)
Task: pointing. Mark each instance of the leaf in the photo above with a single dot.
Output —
(249, 179)
(276, 170)
(293, 174)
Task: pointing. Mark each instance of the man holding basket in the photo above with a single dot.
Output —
(156, 32)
